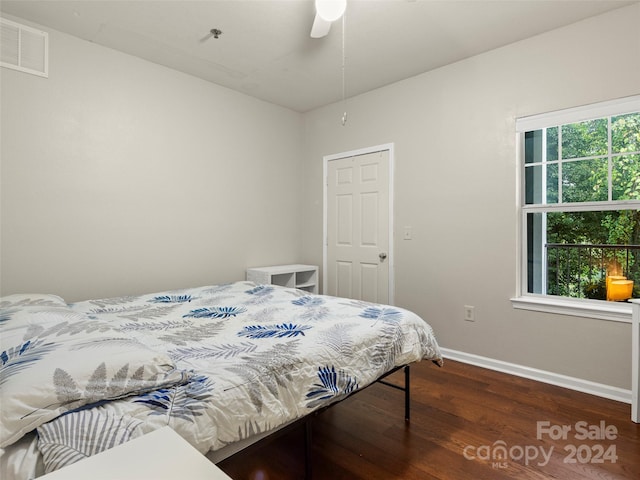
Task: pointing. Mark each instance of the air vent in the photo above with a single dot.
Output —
(24, 48)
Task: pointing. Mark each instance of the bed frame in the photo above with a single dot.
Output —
(306, 422)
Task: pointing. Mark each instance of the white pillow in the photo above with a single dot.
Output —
(31, 300)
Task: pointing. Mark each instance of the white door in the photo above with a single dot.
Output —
(357, 222)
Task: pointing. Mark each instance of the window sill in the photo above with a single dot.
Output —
(612, 311)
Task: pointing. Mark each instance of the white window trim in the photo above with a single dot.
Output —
(596, 309)
(575, 307)
(619, 106)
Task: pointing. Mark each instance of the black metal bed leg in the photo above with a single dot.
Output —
(406, 388)
(407, 394)
(308, 448)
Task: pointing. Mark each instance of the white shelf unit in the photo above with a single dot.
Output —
(304, 277)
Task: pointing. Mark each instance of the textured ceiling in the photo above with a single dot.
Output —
(265, 50)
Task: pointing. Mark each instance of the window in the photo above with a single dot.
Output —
(580, 202)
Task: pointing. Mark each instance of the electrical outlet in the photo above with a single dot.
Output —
(469, 313)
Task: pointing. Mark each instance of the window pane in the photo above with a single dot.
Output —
(552, 143)
(626, 177)
(625, 133)
(583, 248)
(585, 139)
(585, 181)
(552, 183)
(578, 253)
(533, 184)
(533, 147)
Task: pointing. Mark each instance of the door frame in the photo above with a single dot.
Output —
(325, 236)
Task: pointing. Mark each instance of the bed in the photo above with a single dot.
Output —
(222, 365)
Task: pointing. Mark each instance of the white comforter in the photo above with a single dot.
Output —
(238, 360)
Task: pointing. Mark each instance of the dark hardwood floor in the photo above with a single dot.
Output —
(461, 416)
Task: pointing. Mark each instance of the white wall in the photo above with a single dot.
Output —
(120, 176)
(456, 170)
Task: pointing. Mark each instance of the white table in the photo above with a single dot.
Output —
(161, 455)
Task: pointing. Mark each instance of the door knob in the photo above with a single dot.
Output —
(382, 256)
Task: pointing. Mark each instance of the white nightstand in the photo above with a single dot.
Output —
(304, 277)
(161, 455)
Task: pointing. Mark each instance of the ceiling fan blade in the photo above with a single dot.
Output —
(320, 27)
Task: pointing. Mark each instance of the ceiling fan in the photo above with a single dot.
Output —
(327, 11)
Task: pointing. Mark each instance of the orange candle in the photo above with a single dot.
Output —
(610, 279)
(620, 290)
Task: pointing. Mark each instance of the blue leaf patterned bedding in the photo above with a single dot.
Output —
(55, 360)
(242, 359)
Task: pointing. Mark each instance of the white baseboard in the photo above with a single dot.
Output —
(585, 386)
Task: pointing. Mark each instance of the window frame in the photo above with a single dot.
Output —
(597, 309)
